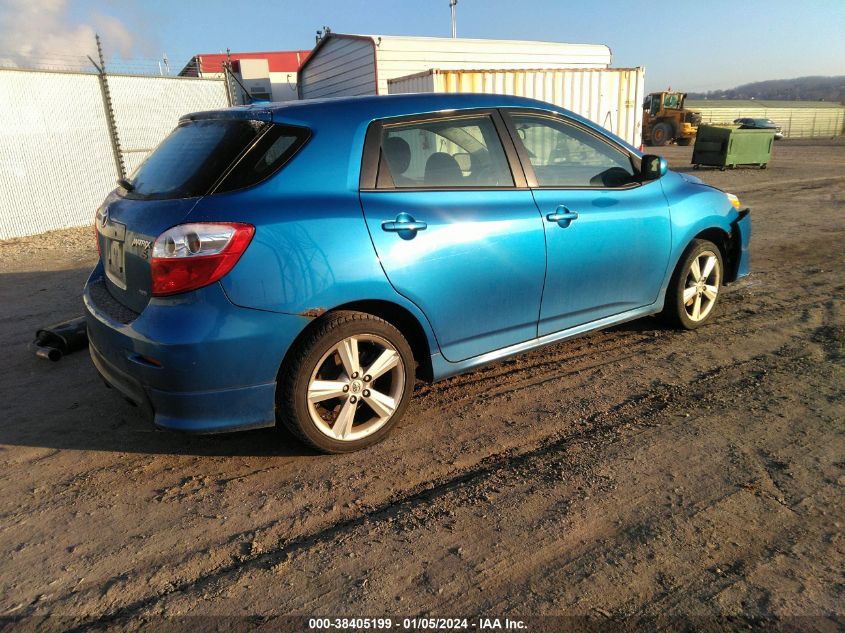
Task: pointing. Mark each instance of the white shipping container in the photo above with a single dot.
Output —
(610, 97)
(349, 65)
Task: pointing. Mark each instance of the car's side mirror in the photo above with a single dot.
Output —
(653, 167)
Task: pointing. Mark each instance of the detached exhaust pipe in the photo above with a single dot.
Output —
(54, 342)
(47, 353)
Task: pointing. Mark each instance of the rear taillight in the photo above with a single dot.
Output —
(190, 256)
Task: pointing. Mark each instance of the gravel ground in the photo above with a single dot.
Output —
(636, 472)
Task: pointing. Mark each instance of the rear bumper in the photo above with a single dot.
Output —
(194, 363)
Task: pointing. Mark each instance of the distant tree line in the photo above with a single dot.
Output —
(799, 89)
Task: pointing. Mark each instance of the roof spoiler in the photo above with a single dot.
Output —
(249, 113)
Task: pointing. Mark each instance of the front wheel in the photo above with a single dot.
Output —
(346, 383)
(695, 285)
(661, 134)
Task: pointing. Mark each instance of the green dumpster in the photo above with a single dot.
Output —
(728, 146)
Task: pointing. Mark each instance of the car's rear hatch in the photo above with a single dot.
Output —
(206, 153)
(126, 230)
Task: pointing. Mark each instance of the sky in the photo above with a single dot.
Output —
(690, 46)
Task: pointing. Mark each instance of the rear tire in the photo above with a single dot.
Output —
(695, 286)
(684, 142)
(346, 383)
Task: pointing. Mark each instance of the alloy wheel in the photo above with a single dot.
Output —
(702, 285)
(356, 387)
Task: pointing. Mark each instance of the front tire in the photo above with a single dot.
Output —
(661, 134)
(695, 286)
(347, 383)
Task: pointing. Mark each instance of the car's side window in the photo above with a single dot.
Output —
(444, 153)
(565, 155)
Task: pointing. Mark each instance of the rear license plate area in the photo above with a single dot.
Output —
(114, 262)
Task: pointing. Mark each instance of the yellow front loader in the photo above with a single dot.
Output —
(665, 119)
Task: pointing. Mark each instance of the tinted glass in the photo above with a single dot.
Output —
(196, 155)
(564, 155)
(273, 149)
(465, 152)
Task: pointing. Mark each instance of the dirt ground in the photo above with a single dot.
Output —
(636, 472)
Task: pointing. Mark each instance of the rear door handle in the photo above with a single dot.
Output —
(562, 216)
(405, 225)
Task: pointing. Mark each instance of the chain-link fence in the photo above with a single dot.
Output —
(796, 119)
(57, 156)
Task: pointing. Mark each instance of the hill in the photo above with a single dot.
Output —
(800, 88)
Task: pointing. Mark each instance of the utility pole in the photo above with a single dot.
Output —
(453, 4)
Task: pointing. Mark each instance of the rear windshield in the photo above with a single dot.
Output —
(215, 156)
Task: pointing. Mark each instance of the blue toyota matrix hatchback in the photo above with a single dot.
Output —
(305, 263)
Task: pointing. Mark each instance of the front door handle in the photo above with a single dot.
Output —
(405, 225)
(562, 216)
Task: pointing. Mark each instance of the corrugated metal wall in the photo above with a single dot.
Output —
(347, 65)
(609, 97)
(801, 121)
(56, 160)
(344, 67)
(401, 56)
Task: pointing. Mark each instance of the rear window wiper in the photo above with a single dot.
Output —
(123, 182)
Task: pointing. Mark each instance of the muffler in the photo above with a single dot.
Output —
(56, 341)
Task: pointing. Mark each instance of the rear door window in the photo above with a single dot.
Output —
(443, 153)
(205, 156)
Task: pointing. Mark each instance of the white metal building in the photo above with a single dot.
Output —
(348, 65)
(610, 97)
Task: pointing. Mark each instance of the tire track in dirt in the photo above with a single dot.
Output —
(232, 539)
(768, 527)
(602, 425)
(783, 312)
(542, 559)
